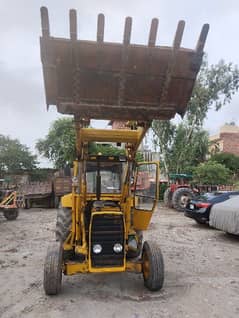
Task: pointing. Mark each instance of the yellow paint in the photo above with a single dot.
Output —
(141, 219)
(66, 201)
(134, 267)
(71, 268)
(110, 135)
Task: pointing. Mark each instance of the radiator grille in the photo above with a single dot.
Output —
(106, 230)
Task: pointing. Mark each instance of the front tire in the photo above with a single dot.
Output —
(53, 269)
(11, 214)
(152, 266)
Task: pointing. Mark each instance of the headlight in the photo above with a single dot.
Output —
(97, 248)
(117, 248)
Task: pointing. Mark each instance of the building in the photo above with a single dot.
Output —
(226, 141)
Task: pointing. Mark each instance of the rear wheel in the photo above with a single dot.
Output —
(152, 266)
(63, 223)
(11, 214)
(181, 197)
(167, 198)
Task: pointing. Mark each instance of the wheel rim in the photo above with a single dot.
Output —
(145, 266)
(184, 200)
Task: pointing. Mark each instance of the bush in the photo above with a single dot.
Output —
(211, 172)
(229, 160)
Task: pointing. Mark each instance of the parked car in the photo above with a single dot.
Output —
(225, 216)
(199, 208)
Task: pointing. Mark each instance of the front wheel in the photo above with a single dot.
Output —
(53, 269)
(152, 266)
(11, 214)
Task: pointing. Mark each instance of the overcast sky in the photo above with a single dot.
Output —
(22, 100)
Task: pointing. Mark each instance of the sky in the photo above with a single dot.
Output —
(22, 101)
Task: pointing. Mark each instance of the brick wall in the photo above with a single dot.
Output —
(118, 124)
(230, 142)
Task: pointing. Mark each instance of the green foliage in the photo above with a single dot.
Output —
(184, 145)
(181, 152)
(14, 156)
(229, 160)
(236, 185)
(214, 88)
(107, 149)
(211, 172)
(59, 144)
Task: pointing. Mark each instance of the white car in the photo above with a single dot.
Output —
(225, 216)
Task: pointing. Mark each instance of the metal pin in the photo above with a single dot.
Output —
(127, 30)
(153, 32)
(45, 22)
(202, 38)
(100, 28)
(73, 24)
(179, 34)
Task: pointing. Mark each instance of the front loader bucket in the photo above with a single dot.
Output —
(118, 81)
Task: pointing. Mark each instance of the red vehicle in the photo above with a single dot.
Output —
(179, 192)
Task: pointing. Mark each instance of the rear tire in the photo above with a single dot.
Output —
(167, 198)
(181, 197)
(63, 223)
(11, 214)
(153, 266)
(53, 269)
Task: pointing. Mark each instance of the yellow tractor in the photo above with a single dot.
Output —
(99, 225)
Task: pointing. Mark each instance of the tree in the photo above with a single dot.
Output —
(14, 156)
(59, 146)
(211, 172)
(214, 88)
(229, 160)
(180, 155)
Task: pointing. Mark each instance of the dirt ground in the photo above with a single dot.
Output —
(201, 274)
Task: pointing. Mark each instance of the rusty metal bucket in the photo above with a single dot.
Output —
(118, 81)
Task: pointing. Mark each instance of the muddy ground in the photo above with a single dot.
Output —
(201, 278)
